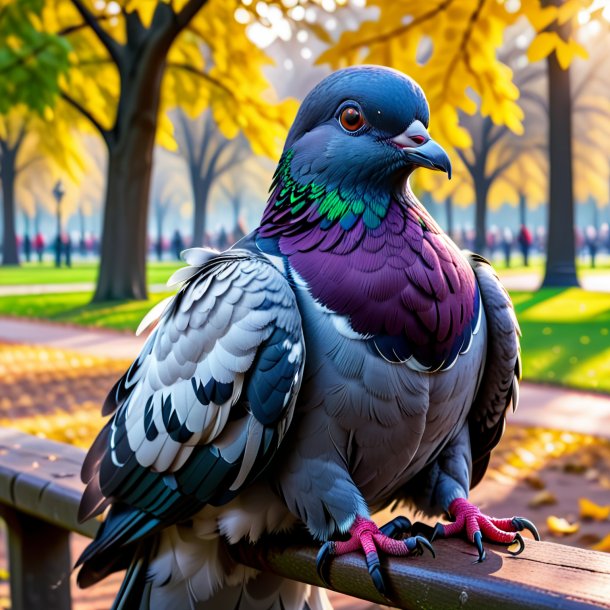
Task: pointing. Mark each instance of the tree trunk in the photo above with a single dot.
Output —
(522, 210)
(159, 243)
(201, 191)
(594, 214)
(481, 188)
(10, 256)
(560, 267)
(122, 273)
(449, 215)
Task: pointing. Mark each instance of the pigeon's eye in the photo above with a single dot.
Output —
(418, 139)
(351, 118)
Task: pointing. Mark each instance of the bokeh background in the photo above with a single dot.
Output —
(132, 129)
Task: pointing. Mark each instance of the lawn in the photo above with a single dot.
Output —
(566, 332)
(75, 308)
(566, 337)
(80, 272)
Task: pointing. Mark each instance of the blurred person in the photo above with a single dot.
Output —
(27, 247)
(604, 237)
(222, 241)
(39, 245)
(591, 243)
(67, 248)
(525, 241)
(507, 245)
(159, 248)
(491, 241)
(177, 244)
(540, 240)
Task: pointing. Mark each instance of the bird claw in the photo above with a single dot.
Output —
(366, 536)
(518, 540)
(374, 568)
(478, 542)
(417, 544)
(520, 524)
(396, 527)
(323, 562)
(437, 532)
(469, 519)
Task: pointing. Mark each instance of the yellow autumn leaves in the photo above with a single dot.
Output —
(588, 510)
(212, 64)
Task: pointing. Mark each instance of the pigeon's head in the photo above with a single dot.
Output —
(363, 128)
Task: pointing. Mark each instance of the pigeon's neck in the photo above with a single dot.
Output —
(297, 205)
(404, 283)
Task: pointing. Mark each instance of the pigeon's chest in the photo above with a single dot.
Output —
(403, 285)
(386, 419)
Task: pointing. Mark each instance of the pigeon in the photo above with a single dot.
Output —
(343, 356)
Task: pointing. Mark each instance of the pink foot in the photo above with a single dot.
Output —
(366, 536)
(469, 519)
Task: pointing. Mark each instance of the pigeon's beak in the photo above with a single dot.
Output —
(421, 150)
(431, 155)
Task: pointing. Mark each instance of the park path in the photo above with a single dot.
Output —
(540, 405)
(38, 289)
(531, 281)
(596, 282)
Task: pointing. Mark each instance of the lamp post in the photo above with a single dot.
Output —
(58, 193)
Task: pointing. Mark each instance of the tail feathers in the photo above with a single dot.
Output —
(115, 544)
(135, 590)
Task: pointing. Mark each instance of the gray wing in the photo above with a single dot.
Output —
(203, 409)
(499, 389)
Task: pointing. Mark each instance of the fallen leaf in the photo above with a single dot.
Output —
(534, 481)
(543, 498)
(574, 467)
(558, 526)
(587, 540)
(590, 510)
(603, 545)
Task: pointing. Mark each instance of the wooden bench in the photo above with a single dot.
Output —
(40, 490)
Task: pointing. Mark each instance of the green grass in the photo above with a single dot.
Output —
(47, 273)
(566, 333)
(566, 337)
(75, 308)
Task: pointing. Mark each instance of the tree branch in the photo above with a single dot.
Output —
(201, 74)
(105, 133)
(236, 157)
(501, 131)
(502, 167)
(70, 29)
(189, 10)
(111, 45)
(465, 161)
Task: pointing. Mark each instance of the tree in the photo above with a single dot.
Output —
(10, 143)
(208, 155)
(28, 141)
(130, 62)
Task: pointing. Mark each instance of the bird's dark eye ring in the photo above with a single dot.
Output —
(351, 118)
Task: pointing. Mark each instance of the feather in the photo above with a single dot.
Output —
(154, 315)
